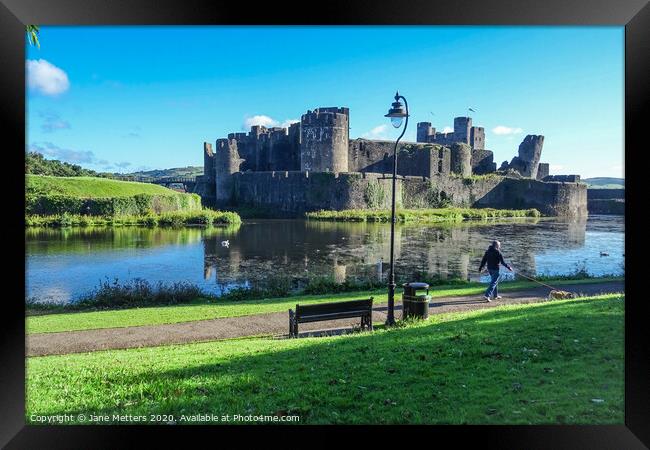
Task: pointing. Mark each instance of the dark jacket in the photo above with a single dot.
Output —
(493, 257)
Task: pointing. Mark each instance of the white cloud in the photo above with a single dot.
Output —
(263, 120)
(288, 123)
(46, 78)
(379, 132)
(555, 167)
(266, 121)
(502, 130)
(447, 130)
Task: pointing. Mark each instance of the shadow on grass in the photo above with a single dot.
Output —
(558, 362)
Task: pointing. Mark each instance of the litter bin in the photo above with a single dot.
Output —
(414, 305)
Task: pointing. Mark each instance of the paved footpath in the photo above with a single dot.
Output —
(274, 324)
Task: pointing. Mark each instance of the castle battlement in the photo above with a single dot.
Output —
(328, 117)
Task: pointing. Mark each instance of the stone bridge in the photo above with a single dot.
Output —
(188, 182)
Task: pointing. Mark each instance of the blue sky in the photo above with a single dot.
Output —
(134, 98)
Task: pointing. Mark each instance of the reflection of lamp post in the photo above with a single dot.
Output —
(396, 114)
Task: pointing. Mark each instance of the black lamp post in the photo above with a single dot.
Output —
(396, 114)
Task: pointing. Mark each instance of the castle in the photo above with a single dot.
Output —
(314, 164)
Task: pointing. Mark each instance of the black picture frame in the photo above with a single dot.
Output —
(15, 14)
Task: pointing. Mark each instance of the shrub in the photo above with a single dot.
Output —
(135, 293)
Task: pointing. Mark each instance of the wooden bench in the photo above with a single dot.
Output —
(331, 311)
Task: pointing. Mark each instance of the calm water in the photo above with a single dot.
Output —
(63, 264)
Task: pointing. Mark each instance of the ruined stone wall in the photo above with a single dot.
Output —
(293, 192)
(442, 190)
(563, 178)
(483, 162)
(206, 189)
(605, 194)
(296, 192)
(527, 161)
(268, 148)
(606, 201)
(553, 199)
(416, 159)
(542, 171)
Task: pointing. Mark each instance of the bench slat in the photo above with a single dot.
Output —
(332, 316)
(327, 308)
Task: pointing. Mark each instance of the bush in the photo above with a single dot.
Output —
(140, 204)
(136, 293)
(176, 218)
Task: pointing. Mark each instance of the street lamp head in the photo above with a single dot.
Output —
(396, 112)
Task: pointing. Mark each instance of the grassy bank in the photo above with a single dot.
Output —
(421, 215)
(89, 187)
(58, 319)
(52, 196)
(173, 218)
(545, 363)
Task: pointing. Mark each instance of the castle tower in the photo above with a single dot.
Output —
(208, 162)
(462, 129)
(477, 138)
(324, 137)
(461, 159)
(226, 163)
(424, 131)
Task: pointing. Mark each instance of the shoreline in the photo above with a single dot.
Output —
(202, 309)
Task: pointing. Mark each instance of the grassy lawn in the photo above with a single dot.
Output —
(542, 363)
(202, 310)
(90, 187)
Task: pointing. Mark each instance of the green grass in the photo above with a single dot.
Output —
(205, 217)
(557, 362)
(421, 215)
(203, 309)
(90, 187)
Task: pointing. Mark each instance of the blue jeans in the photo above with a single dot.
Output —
(493, 290)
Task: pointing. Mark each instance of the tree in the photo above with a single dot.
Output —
(32, 34)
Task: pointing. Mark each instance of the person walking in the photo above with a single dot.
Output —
(494, 259)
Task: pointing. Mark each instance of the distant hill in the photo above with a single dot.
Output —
(189, 171)
(605, 183)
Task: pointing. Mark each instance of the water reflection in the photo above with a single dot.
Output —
(62, 264)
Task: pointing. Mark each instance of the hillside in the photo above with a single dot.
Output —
(189, 171)
(605, 183)
(89, 187)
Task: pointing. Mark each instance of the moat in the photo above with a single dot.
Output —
(63, 264)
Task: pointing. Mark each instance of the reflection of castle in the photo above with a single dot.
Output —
(304, 249)
(280, 167)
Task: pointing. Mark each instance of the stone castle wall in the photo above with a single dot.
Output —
(413, 159)
(297, 192)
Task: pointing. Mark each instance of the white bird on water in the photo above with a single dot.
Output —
(225, 243)
(604, 254)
